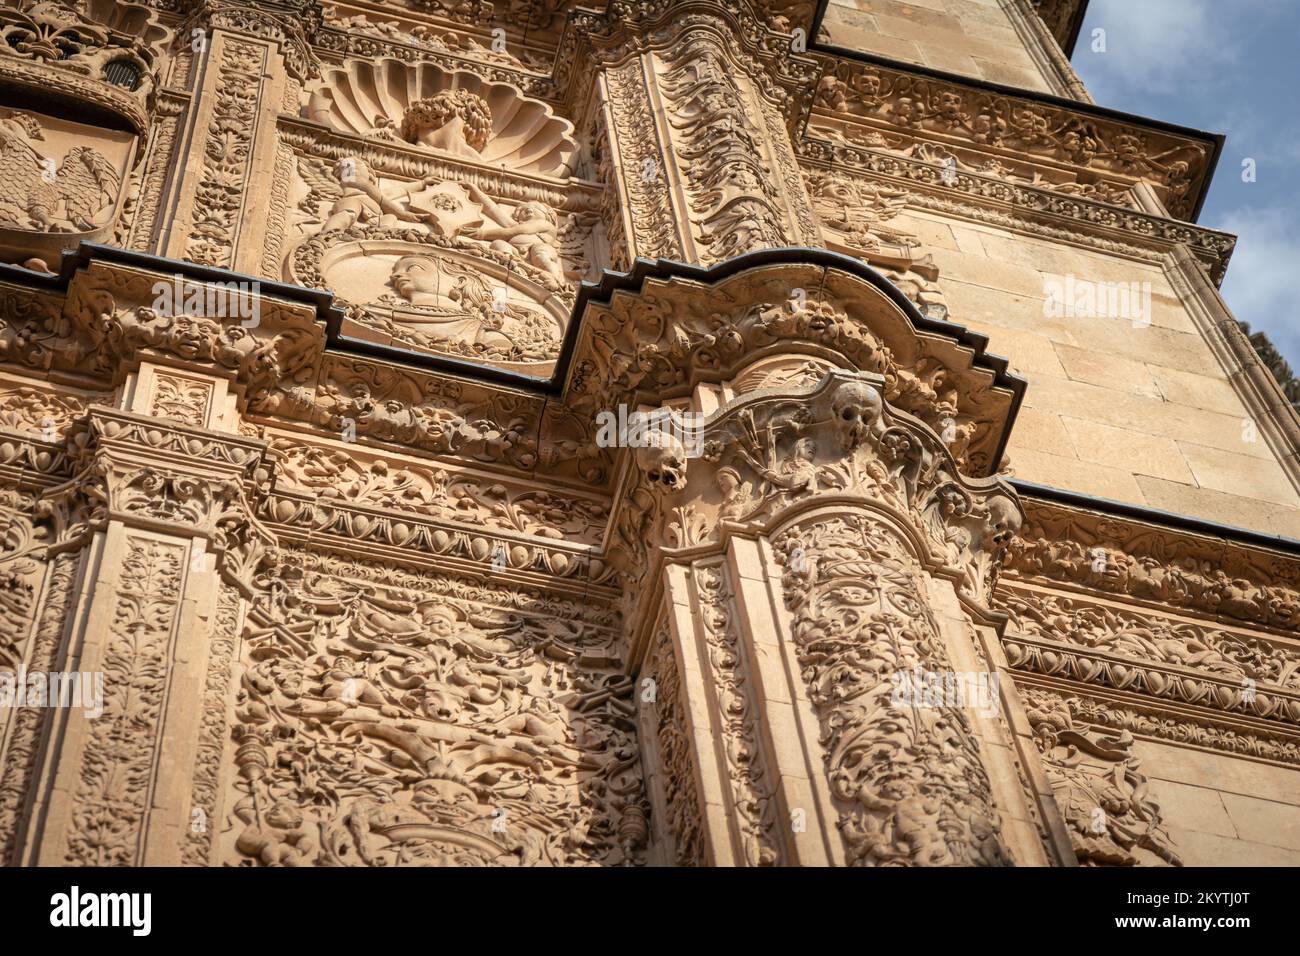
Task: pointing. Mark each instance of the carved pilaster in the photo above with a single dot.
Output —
(814, 548)
(822, 550)
(700, 152)
(250, 63)
(162, 507)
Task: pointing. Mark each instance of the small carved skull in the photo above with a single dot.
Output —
(857, 406)
(663, 459)
(1005, 518)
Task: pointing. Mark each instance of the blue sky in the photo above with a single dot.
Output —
(1232, 67)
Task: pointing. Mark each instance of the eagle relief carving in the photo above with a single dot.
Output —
(60, 182)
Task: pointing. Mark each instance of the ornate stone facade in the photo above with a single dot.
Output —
(326, 331)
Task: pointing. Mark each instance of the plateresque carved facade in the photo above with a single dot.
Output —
(310, 316)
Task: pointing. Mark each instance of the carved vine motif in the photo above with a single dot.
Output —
(23, 752)
(982, 198)
(655, 343)
(654, 228)
(136, 231)
(222, 187)
(181, 399)
(34, 412)
(382, 727)
(685, 820)
(292, 29)
(730, 185)
(1153, 720)
(197, 850)
(276, 356)
(909, 781)
(446, 42)
(433, 493)
(22, 545)
(423, 412)
(954, 160)
(965, 169)
(754, 803)
(611, 202)
(791, 176)
(1176, 570)
(833, 438)
(114, 791)
(1100, 789)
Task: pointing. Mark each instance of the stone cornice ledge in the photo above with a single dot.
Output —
(1060, 133)
(1155, 559)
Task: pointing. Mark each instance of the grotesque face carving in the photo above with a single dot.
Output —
(857, 406)
(663, 459)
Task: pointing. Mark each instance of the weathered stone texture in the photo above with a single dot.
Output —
(316, 468)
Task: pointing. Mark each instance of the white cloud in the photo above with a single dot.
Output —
(1263, 282)
(1160, 46)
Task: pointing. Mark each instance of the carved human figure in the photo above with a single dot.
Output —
(529, 232)
(453, 121)
(458, 310)
(737, 495)
(364, 200)
(343, 685)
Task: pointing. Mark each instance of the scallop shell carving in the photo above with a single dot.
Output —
(457, 113)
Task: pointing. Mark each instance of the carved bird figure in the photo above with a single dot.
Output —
(39, 192)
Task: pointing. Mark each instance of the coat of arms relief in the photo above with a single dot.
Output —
(62, 180)
(476, 260)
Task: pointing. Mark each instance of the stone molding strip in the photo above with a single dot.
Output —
(1084, 111)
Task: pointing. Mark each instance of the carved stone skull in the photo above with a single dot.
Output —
(663, 459)
(1004, 518)
(856, 407)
